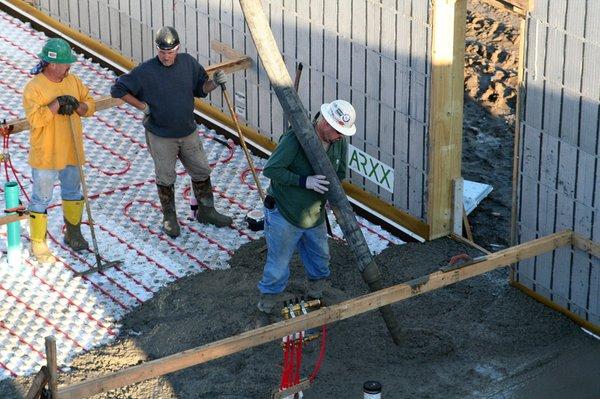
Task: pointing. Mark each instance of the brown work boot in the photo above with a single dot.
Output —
(72, 211)
(38, 226)
(170, 226)
(206, 207)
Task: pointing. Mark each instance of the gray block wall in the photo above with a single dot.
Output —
(374, 53)
(559, 179)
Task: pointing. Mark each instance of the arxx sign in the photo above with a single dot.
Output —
(371, 168)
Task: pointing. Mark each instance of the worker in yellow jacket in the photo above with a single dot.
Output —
(50, 99)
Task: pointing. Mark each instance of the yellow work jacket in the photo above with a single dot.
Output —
(50, 139)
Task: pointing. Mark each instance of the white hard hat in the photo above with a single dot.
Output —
(340, 114)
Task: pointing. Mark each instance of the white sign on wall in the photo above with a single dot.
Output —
(240, 104)
(371, 168)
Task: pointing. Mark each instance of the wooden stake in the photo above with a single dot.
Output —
(325, 315)
(303, 129)
(38, 383)
(52, 367)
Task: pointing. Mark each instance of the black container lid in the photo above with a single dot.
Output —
(372, 387)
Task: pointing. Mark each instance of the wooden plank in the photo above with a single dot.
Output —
(518, 7)
(39, 381)
(445, 135)
(226, 50)
(102, 103)
(109, 102)
(290, 392)
(12, 218)
(322, 316)
(51, 364)
(585, 244)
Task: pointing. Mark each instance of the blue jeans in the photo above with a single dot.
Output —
(43, 186)
(283, 238)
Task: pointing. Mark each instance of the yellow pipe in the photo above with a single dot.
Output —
(402, 218)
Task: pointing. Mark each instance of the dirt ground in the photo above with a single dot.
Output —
(469, 340)
(462, 341)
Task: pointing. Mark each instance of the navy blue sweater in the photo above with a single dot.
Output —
(168, 91)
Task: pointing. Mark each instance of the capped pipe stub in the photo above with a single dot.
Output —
(256, 220)
(372, 390)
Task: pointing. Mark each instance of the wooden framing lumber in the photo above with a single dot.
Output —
(102, 103)
(39, 381)
(589, 246)
(317, 318)
(446, 116)
(519, 7)
(51, 364)
(13, 218)
(301, 386)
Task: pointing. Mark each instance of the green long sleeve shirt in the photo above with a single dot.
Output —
(301, 207)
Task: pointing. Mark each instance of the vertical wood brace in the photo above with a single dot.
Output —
(446, 118)
(517, 141)
(51, 363)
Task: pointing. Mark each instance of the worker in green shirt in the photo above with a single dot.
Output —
(295, 207)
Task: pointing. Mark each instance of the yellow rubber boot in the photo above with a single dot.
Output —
(72, 211)
(38, 226)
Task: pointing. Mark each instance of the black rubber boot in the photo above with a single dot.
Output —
(170, 226)
(206, 205)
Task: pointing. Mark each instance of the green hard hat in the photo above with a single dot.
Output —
(57, 51)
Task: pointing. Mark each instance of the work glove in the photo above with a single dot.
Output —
(220, 77)
(146, 109)
(67, 105)
(317, 183)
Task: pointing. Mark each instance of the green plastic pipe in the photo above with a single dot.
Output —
(11, 197)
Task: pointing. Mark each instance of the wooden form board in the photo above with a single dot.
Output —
(558, 151)
(375, 54)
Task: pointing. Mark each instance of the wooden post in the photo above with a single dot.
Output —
(446, 116)
(292, 106)
(52, 367)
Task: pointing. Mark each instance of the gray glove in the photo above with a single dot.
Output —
(67, 105)
(220, 78)
(317, 183)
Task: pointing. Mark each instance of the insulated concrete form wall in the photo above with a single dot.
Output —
(374, 53)
(558, 170)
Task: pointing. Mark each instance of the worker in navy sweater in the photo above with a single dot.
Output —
(163, 88)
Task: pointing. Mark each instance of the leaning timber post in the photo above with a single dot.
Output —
(304, 130)
(51, 363)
